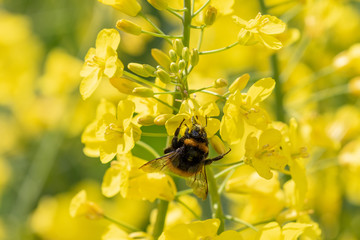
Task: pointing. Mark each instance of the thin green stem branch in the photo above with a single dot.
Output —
(228, 169)
(149, 148)
(188, 208)
(215, 201)
(123, 225)
(175, 13)
(144, 81)
(141, 14)
(238, 220)
(215, 94)
(201, 37)
(160, 35)
(200, 9)
(166, 104)
(223, 184)
(255, 224)
(219, 49)
(162, 208)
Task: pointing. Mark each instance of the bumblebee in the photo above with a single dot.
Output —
(187, 157)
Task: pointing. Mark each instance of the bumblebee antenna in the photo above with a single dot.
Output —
(206, 120)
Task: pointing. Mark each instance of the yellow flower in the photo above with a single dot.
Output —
(261, 30)
(115, 233)
(101, 62)
(290, 231)
(124, 176)
(113, 132)
(191, 109)
(242, 111)
(206, 229)
(80, 206)
(129, 7)
(266, 152)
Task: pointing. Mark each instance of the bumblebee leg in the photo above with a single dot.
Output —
(209, 161)
(174, 141)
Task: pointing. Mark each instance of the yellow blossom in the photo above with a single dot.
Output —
(113, 131)
(80, 206)
(190, 110)
(242, 111)
(266, 152)
(261, 30)
(129, 7)
(290, 231)
(101, 62)
(206, 229)
(124, 176)
(115, 233)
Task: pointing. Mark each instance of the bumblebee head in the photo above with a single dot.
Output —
(198, 132)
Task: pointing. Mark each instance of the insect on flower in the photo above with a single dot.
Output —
(187, 157)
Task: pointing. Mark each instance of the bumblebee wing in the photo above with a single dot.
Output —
(161, 164)
(198, 182)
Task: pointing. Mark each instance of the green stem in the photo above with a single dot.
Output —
(159, 35)
(255, 224)
(166, 104)
(184, 192)
(223, 184)
(154, 25)
(215, 94)
(219, 49)
(215, 200)
(144, 81)
(175, 13)
(238, 220)
(200, 9)
(201, 37)
(148, 148)
(187, 23)
(279, 97)
(162, 208)
(188, 208)
(123, 225)
(228, 169)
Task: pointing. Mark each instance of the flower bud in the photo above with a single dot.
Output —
(210, 15)
(162, 118)
(150, 69)
(129, 7)
(239, 83)
(161, 58)
(354, 86)
(146, 120)
(138, 69)
(163, 76)
(128, 26)
(174, 67)
(124, 85)
(178, 46)
(217, 144)
(143, 92)
(159, 4)
(194, 57)
(185, 53)
(221, 82)
(173, 55)
(182, 64)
